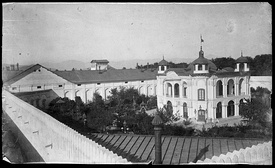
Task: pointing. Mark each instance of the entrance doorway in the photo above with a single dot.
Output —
(201, 115)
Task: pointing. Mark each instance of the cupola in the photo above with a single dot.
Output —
(163, 66)
(242, 64)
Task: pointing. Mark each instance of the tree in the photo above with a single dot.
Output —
(262, 65)
(224, 62)
(255, 110)
(98, 115)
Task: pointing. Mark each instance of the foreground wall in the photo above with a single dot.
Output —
(54, 141)
(256, 155)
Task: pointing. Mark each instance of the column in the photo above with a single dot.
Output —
(164, 89)
(173, 90)
(224, 87)
(237, 89)
(236, 109)
(224, 111)
(214, 91)
(214, 113)
(180, 91)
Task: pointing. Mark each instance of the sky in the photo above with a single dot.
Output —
(56, 32)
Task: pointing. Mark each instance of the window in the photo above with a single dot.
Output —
(201, 94)
(60, 85)
(38, 87)
(142, 81)
(184, 91)
(162, 68)
(199, 67)
(98, 83)
(126, 82)
(14, 88)
(185, 113)
(78, 84)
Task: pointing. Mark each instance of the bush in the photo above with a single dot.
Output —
(177, 130)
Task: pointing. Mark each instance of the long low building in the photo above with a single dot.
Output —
(83, 83)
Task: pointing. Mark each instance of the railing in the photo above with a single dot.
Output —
(54, 141)
(260, 154)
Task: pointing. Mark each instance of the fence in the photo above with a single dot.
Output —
(54, 141)
(256, 155)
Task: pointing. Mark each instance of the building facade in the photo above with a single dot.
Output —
(202, 92)
(83, 83)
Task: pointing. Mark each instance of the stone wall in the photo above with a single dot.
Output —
(260, 154)
(54, 141)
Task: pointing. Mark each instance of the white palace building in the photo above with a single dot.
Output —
(200, 91)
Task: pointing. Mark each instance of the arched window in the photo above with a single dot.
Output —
(201, 94)
(241, 87)
(169, 89)
(162, 67)
(219, 89)
(219, 110)
(230, 108)
(176, 90)
(230, 87)
(44, 103)
(185, 112)
(184, 89)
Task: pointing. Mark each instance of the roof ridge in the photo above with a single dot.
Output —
(22, 73)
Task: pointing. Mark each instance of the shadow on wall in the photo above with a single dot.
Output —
(39, 99)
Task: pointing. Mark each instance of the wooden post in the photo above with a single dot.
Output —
(157, 122)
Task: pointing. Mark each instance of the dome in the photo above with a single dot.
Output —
(210, 64)
(163, 62)
(241, 60)
(228, 69)
(200, 60)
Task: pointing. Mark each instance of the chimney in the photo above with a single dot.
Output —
(157, 123)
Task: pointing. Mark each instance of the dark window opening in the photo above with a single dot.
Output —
(59, 85)
(142, 81)
(78, 84)
(38, 87)
(126, 82)
(98, 83)
(199, 67)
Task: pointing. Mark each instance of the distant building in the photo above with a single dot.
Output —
(99, 64)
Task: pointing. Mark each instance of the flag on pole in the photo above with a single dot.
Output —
(202, 39)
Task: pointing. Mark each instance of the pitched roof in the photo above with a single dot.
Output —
(7, 75)
(100, 61)
(111, 75)
(163, 62)
(175, 149)
(179, 71)
(23, 74)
